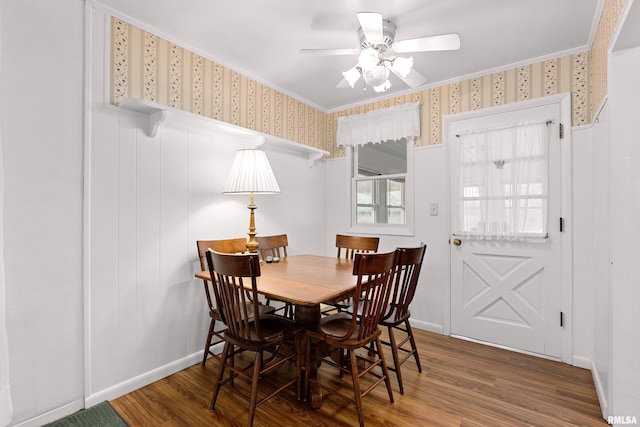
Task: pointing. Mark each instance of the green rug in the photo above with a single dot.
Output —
(100, 415)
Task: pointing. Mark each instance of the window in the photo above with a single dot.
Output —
(379, 187)
(380, 166)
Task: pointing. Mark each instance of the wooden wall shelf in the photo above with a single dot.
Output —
(158, 114)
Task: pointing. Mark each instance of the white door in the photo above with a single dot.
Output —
(507, 292)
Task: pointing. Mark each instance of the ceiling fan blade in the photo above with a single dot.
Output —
(342, 84)
(413, 79)
(430, 43)
(324, 52)
(371, 24)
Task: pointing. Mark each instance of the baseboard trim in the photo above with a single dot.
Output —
(602, 397)
(504, 347)
(426, 326)
(53, 415)
(581, 362)
(147, 378)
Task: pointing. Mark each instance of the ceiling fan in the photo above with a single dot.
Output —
(377, 39)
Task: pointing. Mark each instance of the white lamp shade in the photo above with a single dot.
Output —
(251, 173)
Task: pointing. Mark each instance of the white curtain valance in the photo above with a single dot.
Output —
(393, 123)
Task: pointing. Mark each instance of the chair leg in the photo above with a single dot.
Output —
(232, 364)
(221, 368)
(290, 311)
(257, 367)
(307, 366)
(372, 351)
(396, 359)
(413, 344)
(298, 342)
(207, 344)
(356, 386)
(342, 362)
(385, 371)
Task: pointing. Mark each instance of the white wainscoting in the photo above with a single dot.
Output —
(149, 199)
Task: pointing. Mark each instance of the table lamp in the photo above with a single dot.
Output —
(251, 173)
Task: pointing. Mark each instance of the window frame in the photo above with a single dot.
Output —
(406, 229)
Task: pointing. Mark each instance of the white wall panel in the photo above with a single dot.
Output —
(173, 232)
(126, 220)
(199, 154)
(625, 232)
(601, 257)
(147, 186)
(583, 313)
(104, 248)
(42, 119)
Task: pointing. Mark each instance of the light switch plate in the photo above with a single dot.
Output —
(433, 209)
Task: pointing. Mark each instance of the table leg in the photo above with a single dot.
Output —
(309, 318)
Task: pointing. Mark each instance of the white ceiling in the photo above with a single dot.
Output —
(261, 39)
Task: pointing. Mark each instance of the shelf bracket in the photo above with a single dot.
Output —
(156, 113)
(155, 120)
(314, 157)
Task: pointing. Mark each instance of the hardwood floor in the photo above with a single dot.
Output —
(462, 384)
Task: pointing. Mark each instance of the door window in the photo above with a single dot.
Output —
(503, 190)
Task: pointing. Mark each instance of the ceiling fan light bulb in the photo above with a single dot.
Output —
(352, 75)
(402, 66)
(377, 76)
(368, 59)
(382, 87)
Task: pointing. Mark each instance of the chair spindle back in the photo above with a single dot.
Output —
(373, 289)
(409, 265)
(353, 245)
(234, 290)
(273, 246)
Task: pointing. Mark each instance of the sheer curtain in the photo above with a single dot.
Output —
(387, 124)
(503, 191)
(5, 395)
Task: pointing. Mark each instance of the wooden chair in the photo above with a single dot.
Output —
(344, 332)
(270, 249)
(248, 328)
(409, 264)
(272, 246)
(348, 247)
(230, 246)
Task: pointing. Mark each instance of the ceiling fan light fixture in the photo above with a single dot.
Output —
(352, 76)
(377, 38)
(368, 59)
(376, 77)
(382, 87)
(402, 66)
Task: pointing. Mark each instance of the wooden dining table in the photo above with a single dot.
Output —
(307, 281)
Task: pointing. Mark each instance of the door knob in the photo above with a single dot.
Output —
(457, 242)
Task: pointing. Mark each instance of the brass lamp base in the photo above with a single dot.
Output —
(252, 244)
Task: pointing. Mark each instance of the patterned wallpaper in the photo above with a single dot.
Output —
(611, 12)
(148, 67)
